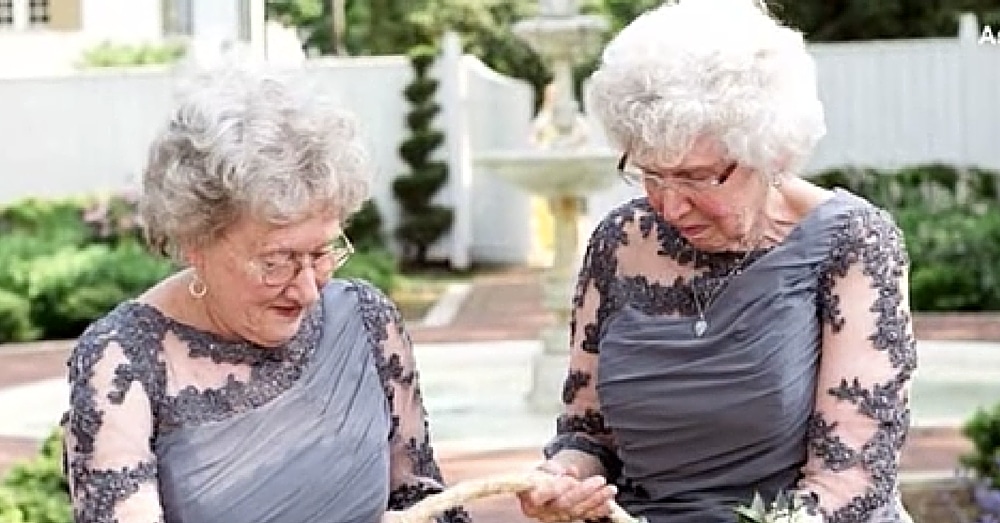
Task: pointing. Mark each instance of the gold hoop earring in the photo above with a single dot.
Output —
(197, 288)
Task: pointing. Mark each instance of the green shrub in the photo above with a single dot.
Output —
(47, 221)
(377, 267)
(66, 262)
(36, 491)
(15, 318)
(17, 250)
(950, 219)
(71, 288)
(113, 219)
(955, 255)
(107, 54)
(73, 221)
(983, 431)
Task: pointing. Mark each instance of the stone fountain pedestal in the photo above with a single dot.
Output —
(564, 179)
(564, 167)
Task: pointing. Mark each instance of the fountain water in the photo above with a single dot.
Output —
(564, 167)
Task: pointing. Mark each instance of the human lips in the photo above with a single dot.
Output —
(287, 311)
(692, 230)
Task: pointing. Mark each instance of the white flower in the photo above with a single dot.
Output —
(784, 509)
(802, 515)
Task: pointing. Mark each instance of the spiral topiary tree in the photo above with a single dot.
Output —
(421, 221)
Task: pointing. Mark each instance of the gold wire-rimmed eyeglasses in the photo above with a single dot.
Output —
(278, 269)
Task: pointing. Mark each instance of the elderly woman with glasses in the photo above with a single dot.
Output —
(737, 330)
(249, 386)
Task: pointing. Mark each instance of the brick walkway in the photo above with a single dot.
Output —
(506, 305)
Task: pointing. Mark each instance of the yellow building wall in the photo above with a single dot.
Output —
(64, 15)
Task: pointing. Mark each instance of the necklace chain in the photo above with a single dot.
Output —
(701, 324)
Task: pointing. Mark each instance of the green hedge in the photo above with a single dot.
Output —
(36, 491)
(66, 262)
(951, 221)
(108, 54)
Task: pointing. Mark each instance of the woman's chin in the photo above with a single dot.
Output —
(277, 329)
(704, 244)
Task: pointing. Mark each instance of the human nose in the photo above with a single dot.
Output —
(304, 286)
(672, 202)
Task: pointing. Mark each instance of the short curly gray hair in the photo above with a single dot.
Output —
(246, 142)
(721, 69)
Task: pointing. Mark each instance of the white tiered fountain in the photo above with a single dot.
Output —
(564, 167)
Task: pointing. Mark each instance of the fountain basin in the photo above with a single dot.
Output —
(572, 36)
(555, 173)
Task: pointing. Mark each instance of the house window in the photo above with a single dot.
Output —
(243, 21)
(38, 12)
(178, 16)
(6, 13)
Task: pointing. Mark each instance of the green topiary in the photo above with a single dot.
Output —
(365, 228)
(421, 222)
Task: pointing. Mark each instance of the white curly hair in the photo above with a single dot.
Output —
(243, 141)
(718, 69)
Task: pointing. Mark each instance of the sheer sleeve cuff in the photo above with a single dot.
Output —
(609, 460)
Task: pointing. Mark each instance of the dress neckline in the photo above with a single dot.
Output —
(203, 343)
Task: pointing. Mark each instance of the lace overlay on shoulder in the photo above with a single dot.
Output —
(414, 473)
(868, 353)
(271, 372)
(862, 415)
(631, 243)
(119, 387)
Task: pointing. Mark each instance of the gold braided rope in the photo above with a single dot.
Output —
(459, 494)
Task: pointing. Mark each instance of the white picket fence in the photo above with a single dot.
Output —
(888, 104)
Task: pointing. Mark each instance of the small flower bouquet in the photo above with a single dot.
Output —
(784, 509)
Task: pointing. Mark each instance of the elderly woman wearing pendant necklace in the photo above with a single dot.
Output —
(736, 330)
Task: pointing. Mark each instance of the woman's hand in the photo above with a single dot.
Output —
(560, 495)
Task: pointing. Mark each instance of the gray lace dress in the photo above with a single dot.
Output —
(799, 382)
(170, 423)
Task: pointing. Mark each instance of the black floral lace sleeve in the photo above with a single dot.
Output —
(869, 356)
(111, 467)
(414, 472)
(581, 426)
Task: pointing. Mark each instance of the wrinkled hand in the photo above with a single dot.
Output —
(561, 496)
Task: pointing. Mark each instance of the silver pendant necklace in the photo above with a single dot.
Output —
(701, 324)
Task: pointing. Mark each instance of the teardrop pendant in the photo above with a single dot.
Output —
(700, 327)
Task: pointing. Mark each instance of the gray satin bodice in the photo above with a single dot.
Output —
(317, 453)
(700, 421)
(799, 384)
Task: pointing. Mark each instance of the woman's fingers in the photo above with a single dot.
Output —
(598, 505)
(559, 497)
(585, 496)
(541, 502)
